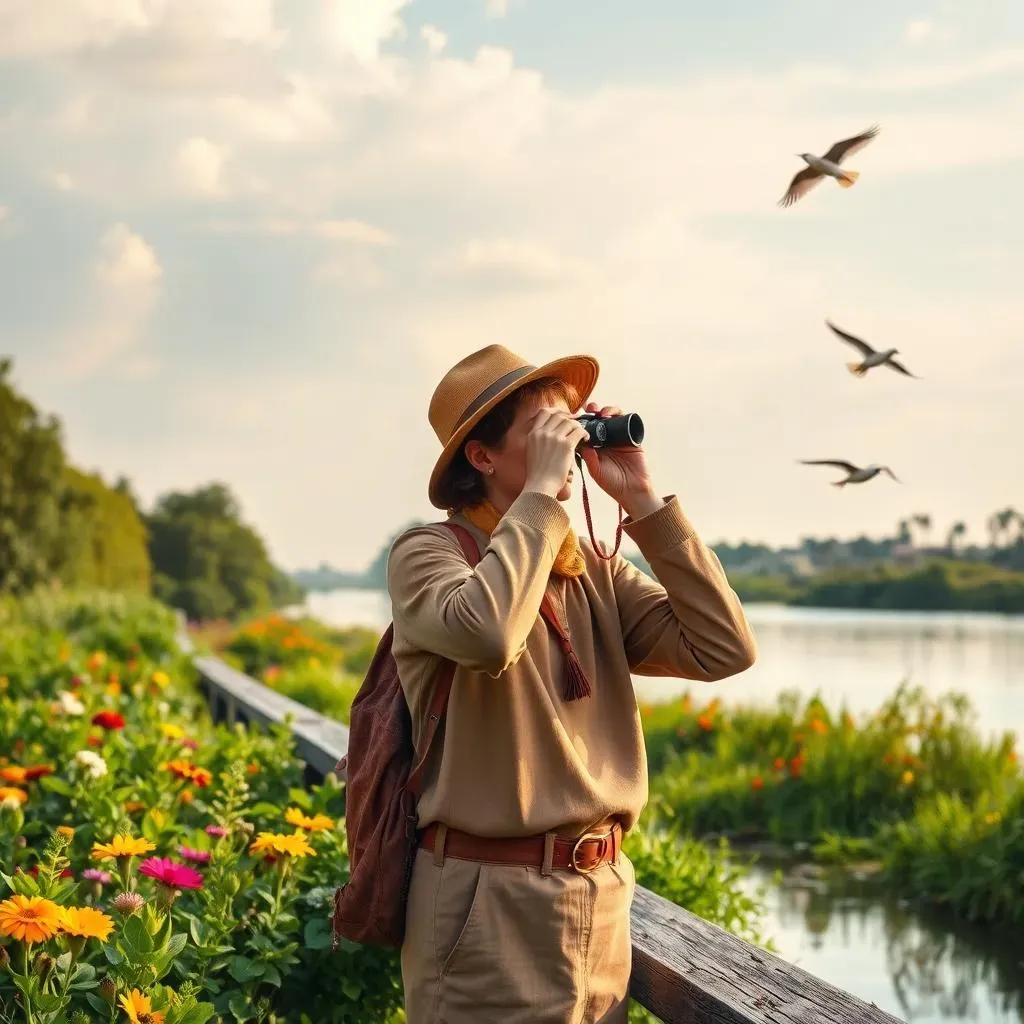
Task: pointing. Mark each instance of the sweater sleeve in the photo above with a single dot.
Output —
(478, 617)
(690, 624)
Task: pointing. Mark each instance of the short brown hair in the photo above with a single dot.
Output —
(463, 485)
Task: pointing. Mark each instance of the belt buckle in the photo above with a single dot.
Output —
(574, 864)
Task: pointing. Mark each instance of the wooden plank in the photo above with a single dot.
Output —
(688, 971)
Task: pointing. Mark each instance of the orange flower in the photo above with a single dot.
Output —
(1012, 757)
(757, 783)
(252, 768)
(96, 661)
(140, 1008)
(134, 806)
(796, 766)
(30, 918)
(706, 722)
(13, 773)
(202, 777)
(779, 763)
(818, 726)
(87, 923)
(12, 793)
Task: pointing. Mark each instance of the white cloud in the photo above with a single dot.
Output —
(356, 231)
(497, 8)
(509, 262)
(108, 332)
(62, 181)
(359, 28)
(918, 31)
(353, 269)
(435, 39)
(201, 163)
(353, 231)
(4, 212)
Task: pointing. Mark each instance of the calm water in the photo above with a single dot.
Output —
(915, 968)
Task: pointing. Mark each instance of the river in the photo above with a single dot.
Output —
(915, 967)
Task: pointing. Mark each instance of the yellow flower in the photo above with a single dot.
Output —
(161, 678)
(87, 923)
(114, 689)
(140, 1009)
(96, 661)
(122, 846)
(318, 823)
(172, 731)
(269, 843)
(65, 830)
(907, 778)
(12, 793)
(30, 918)
(186, 796)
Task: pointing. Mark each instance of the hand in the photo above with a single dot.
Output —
(551, 442)
(620, 472)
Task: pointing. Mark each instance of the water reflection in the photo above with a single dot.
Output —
(912, 965)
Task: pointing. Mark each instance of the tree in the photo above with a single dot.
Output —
(956, 532)
(31, 484)
(208, 562)
(924, 522)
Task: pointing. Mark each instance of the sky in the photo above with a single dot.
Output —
(243, 240)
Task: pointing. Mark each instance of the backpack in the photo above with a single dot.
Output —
(383, 785)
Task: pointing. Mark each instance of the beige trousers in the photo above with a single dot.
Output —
(502, 943)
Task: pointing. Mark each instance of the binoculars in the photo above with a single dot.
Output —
(625, 431)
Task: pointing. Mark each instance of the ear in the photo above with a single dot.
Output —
(478, 456)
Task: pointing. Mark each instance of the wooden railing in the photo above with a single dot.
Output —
(685, 970)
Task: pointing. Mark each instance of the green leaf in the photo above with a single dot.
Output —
(265, 810)
(113, 955)
(271, 975)
(301, 798)
(98, 1005)
(198, 1014)
(197, 930)
(239, 1006)
(243, 969)
(176, 945)
(317, 934)
(55, 784)
(351, 988)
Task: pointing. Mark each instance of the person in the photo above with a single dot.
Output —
(519, 900)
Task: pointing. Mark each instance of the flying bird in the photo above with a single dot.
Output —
(872, 357)
(819, 167)
(854, 475)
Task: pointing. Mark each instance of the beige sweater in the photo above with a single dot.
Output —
(514, 758)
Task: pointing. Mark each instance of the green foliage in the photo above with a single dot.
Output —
(207, 561)
(894, 785)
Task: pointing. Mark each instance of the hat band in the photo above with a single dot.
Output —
(491, 390)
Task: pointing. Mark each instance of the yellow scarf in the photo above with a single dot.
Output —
(569, 560)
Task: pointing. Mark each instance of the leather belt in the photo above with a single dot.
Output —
(582, 855)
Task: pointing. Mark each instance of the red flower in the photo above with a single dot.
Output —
(706, 722)
(757, 783)
(108, 720)
(171, 874)
(37, 771)
(779, 763)
(796, 766)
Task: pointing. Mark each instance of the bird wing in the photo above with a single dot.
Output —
(900, 368)
(802, 183)
(847, 147)
(849, 467)
(862, 346)
(886, 469)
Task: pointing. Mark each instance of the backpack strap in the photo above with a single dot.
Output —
(445, 675)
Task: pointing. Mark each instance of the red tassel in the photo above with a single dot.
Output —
(576, 683)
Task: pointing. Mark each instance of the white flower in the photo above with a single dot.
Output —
(70, 704)
(91, 763)
(164, 708)
(10, 803)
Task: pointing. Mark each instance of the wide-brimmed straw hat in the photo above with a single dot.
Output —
(476, 384)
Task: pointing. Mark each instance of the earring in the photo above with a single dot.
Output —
(490, 471)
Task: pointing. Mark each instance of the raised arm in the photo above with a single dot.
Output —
(690, 624)
(479, 617)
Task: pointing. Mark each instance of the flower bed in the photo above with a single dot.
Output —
(913, 786)
(160, 869)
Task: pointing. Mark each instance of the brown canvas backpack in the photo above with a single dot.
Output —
(384, 781)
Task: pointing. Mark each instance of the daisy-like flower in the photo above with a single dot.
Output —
(197, 856)
(86, 923)
(317, 823)
(217, 831)
(171, 731)
(30, 918)
(109, 720)
(66, 831)
(70, 704)
(202, 777)
(37, 771)
(269, 844)
(96, 661)
(92, 764)
(14, 774)
(140, 1008)
(11, 796)
(161, 678)
(180, 768)
(128, 903)
(121, 846)
(171, 874)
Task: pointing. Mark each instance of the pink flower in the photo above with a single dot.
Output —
(96, 875)
(190, 744)
(199, 856)
(174, 876)
(217, 831)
